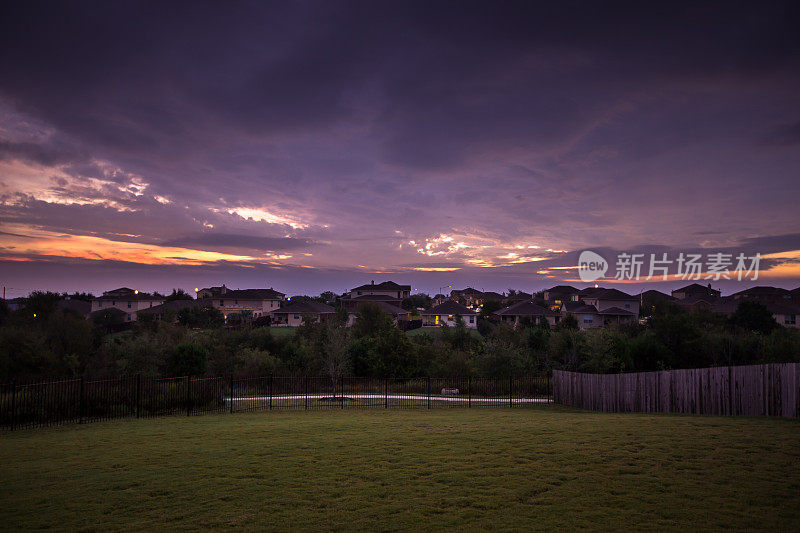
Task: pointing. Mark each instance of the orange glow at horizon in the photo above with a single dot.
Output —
(45, 243)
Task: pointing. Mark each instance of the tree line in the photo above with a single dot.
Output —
(43, 341)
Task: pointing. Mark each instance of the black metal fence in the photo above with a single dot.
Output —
(79, 400)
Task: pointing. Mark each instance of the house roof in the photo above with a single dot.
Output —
(656, 295)
(305, 307)
(578, 307)
(616, 311)
(763, 291)
(489, 295)
(175, 305)
(374, 298)
(606, 294)
(383, 286)
(695, 288)
(124, 293)
(449, 307)
(467, 291)
(391, 309)
(527, 308)
(253, 294)
(563, 289)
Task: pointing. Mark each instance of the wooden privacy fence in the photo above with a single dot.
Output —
(754, 390)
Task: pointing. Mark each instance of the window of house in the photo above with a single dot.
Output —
(113, 302)
(129, 318)
(472, 320)
(221, 302)
(359, 293)
(790, 319)
(151, 304)
(129, 305)
(100, 303)
(587, 319)
(236, 302)
(449, 317)
(627, 306)
(297, 317)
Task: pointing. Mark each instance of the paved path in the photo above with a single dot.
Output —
(419, 397)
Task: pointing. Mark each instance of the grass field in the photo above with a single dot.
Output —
(527, 468)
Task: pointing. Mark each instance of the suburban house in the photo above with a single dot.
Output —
(387, 288)
(127, 300)
(558, 295)
(764, 294)
(474, 298)
(527, 311)
(518, 296)
(604, 299)
(352, 304)
(695, 290)
(259, 302)
(589, 316)
(446, 314)
(294, 313)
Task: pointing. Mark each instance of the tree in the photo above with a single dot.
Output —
(337, 355)
(178, 294)
(752, 316)
(569, 322)
(417, 300)
(188, 359)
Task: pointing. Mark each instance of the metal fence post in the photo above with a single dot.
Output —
(13, 403)
(386, 393)
(510, 390)
(81, 404)
(270, 391)
(429, 392)
(230, 395)
(469, 391)
(306, 392)
(188, 405)
(341, 390)
(138, 395)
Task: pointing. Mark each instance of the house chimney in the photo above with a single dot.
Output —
(373, 282)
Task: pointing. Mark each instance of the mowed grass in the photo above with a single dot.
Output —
(530, 468)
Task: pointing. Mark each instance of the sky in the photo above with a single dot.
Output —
(309, 146)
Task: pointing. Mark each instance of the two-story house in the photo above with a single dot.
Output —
(129, 301)
(259, 302)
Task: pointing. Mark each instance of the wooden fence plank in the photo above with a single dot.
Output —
(753, 390)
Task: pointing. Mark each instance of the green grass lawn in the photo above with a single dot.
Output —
(525, 468)
(283, 331)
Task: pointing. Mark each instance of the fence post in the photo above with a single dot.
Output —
(270, 391)
(341, 390)
(730, 391)
(429, 392)
(230, 396)
(138, 395)
(469, 391)
(386, 393)
(306, 393)
(510, 389)
(188, 405)
(13, 403)
(81, 404)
